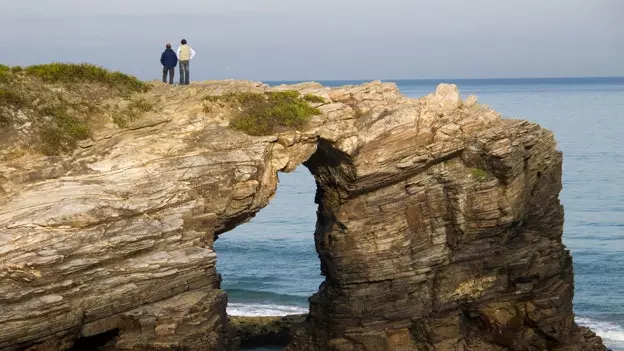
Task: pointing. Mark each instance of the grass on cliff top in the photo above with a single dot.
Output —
(57, 119)
(85, 73)
(267, 113)
(6, 73)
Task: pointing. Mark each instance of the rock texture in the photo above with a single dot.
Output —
(251, 332)
(439, 227)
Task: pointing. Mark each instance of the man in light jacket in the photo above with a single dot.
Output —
(185, 55)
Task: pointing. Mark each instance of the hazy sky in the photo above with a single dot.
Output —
(324, 39)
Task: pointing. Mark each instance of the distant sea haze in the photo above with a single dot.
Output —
(270, 266)
(428, 85)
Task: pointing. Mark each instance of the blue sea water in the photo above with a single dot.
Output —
(270, 267)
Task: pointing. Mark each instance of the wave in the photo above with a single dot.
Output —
(251, 310)
(612, 334)
(265, 297)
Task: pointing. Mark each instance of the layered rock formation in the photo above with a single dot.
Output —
(439, 227)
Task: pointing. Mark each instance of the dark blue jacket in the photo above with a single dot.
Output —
(169, 58)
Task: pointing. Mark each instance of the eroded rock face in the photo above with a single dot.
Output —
(439, 227)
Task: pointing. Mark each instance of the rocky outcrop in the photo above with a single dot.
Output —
(264, 331)
(439, 227)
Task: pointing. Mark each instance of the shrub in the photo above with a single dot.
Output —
(263, 114)
(5, 73)
(130, 82)
(64, 131)
(84, 72)
(313, 98)
(9, 97)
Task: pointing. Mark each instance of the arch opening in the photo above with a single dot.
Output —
(269, 266)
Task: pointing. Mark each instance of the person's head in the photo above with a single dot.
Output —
(168, 46)
(183, 42)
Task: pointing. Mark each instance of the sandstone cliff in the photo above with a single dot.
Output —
(439, 226)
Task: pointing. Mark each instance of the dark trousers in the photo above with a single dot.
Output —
(171, 71)
(184, 72)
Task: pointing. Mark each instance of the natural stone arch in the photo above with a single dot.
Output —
(439, 225)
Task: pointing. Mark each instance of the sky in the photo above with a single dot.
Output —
(324, 39)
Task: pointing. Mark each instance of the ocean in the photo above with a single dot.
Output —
(270, 267)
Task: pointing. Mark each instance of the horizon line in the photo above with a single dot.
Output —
(441, 79)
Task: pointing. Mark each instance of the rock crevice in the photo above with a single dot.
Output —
(439, 227)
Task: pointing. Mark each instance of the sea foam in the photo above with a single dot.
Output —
(250, 310)
(612, 334)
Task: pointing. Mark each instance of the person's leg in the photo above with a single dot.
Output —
(181, 72)
(171, 74)
(184, 79)
(164, 74)
(188, 71)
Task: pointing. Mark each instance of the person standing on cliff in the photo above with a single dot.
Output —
(169, 60)
(185, 55)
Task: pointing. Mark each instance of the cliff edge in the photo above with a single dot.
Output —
(439, 223)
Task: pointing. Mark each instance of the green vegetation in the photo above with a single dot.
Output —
(240, 98)
(479, 174)
(313, 98)
(84, 73)
(9, 97)
(5, 73)
(133, 111)
(264, 114)
(54, 118)
(6, 69)
(64, 131)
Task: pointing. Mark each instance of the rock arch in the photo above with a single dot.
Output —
(435, 231)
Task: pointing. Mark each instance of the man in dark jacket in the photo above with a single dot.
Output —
(169, 60)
